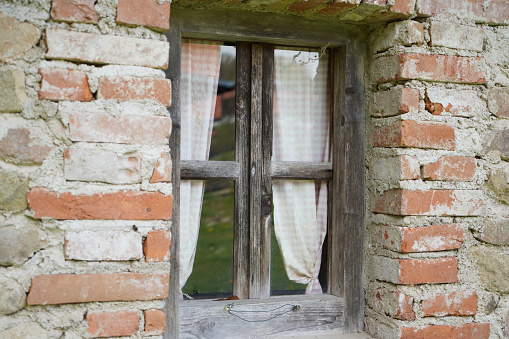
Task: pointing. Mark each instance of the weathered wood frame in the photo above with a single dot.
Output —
(347, 188)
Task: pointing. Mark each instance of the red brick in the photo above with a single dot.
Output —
(338, 7)
(420, 239)
(134, 88)
(450, 168)
(403, 6)
(144, 12)
(397, 100)
(498, 101)
(155, 322)
(429, 67)
(431, 202)
(162, 170)
(460, 103)
(80, 288)
(410, 133)
(451, 304)
(125, 129)
(74, 10)
(122, 205)
(429, 271)
(496, 11)
(64, 84)
(471, 330)
(112, 323)
(157, 246)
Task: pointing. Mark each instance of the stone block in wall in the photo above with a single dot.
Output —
(441, 68)
(470, 330)
(420, 239)
(117, 323)
(397, 100)
(20, 242)
(12, 89)
(431, 202)
(155, 322)
(416, 271)
(495, 11)
(495, 231)
(106, 49)
(64, 84)
(29, 329)
(149, 13)
(13, 191)
(493, 267)
(135, 88)
(125, 129)
(457, 36)
(499, 142)
(74, 11)
(12, 297)
(461, 303)
(16, 38)
(498, 183)
(69, 288)
(93, 165)
(458, 103)
(157, 246)
(122, 205)
(23, 146)
(404, 33)
(162, 170)
(403, 167)
(306, 6)
(450, 168)
(498, 101)
(103, 245)
(409, 133)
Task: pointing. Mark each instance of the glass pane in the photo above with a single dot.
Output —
(300, 227)
(222, 146)
(213, 264)
(301, 105)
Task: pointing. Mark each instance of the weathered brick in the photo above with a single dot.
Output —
(118, 323)
(106, 49)
(162, 170)
(450, 168)
(451, 304)
(20, 147)
(13, 191)
(420, 239)
(405, 33)
(461, 103)
(498, 101)
(12, 297)
(16, 38)
(495, 231)
(18, 243)
(391, 302)
(493, 265)
(431, 202)
(80, 288)
(74, 10)
(157, 246)
(428, 67)
(64, 84)
(123, 205)
(102, 166)
(409, 133)
(12, 89)
(403, 167)
(338, 7)
(397, 100)
(149, 13)
(155, 322)
(416, 271)
(471, 330)
(404, 6)
(134, 88)
(301, 6)
(125, 129)
(103, 245)
(495, 11)
(453, 35)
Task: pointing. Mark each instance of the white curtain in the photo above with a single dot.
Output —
(301, 133)
(200, 74)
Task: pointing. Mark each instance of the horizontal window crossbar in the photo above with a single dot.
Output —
(204, 169)
(301, 170)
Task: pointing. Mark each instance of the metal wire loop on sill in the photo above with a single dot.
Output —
(230, 310)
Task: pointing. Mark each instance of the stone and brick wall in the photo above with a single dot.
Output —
(85, 189)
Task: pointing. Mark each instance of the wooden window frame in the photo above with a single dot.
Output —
(347, 191)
